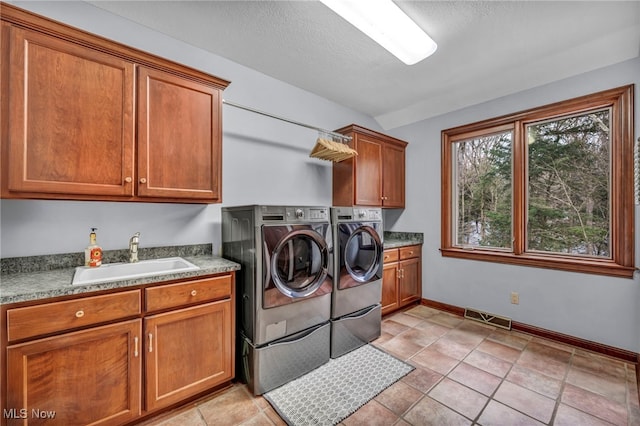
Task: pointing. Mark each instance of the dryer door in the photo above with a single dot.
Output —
(295, 259)
(360, 254)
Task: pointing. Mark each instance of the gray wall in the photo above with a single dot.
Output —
(592, 307)
(266, 161)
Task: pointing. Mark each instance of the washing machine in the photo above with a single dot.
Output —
(283, 292)
(356, 311)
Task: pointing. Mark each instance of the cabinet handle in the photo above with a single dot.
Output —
(150, 342)
(128, 179)
(135, 347)
(411, 252)
(143, 180)
(193, 292)
(80, 314)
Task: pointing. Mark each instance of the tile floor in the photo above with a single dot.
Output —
(466, 373)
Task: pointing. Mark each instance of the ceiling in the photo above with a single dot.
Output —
(486, 49)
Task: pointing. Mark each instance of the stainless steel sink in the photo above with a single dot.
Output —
(125, 271)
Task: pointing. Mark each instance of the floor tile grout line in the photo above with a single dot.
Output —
(561, 391)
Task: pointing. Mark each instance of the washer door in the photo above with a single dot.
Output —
(296, 262)
(361, 254)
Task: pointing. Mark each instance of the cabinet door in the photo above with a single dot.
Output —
(70, 111)
(86, 377)
(179, 137)
(188, 351)
(393, 177)
(409, 283)
(389, 287)
(368, 172)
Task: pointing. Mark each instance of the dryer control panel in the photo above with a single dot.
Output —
(369, 214)
(292, 214)
(307, 213)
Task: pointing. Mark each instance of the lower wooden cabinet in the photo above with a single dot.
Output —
(187, 352)
(85, 377)
(111, 364)
(401, 278)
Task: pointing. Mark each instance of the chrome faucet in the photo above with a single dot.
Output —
(133, 247)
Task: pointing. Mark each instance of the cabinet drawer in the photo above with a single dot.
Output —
(390, 255)
(173, 295)
(410, 252)
(61, 316)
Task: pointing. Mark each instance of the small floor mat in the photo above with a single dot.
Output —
(335, 390)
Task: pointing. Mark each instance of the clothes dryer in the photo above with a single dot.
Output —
(283, 290)
(357, 278)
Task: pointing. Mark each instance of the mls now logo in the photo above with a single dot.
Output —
(23, 413)
(14, 413)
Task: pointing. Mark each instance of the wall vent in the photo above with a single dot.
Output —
(487, 318)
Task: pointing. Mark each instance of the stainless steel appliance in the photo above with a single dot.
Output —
(283, 290)
(357, 283)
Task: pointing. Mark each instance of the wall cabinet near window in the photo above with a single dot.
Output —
(73, 126)
(114, 358)
(376, 176)
(401, 277)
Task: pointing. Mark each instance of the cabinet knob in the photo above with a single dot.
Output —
(143, 180)
(128, 179)
(80, 314)
(193, 292)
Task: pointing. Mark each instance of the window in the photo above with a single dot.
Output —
(551, 187)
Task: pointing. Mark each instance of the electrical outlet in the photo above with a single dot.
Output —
(515, 298)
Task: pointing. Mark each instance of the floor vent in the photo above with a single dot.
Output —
(487, 318)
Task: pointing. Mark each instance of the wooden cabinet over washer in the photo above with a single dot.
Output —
(73, 126)
(374, 177)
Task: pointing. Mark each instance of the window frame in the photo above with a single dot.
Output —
(622, 243)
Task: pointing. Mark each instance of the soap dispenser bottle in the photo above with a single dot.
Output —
(93, 252)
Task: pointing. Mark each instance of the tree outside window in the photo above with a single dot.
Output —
(551, 187)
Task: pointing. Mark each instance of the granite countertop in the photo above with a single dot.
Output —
(402, 239)
(42, 277)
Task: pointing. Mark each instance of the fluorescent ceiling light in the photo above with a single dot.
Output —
(387, 25)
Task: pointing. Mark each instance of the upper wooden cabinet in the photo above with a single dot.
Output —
(71, 129)
(73, 126)
(179, 140)
(376, 176)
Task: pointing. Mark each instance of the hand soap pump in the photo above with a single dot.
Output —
(93, 252)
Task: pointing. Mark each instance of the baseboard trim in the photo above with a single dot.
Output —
(611, 351)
